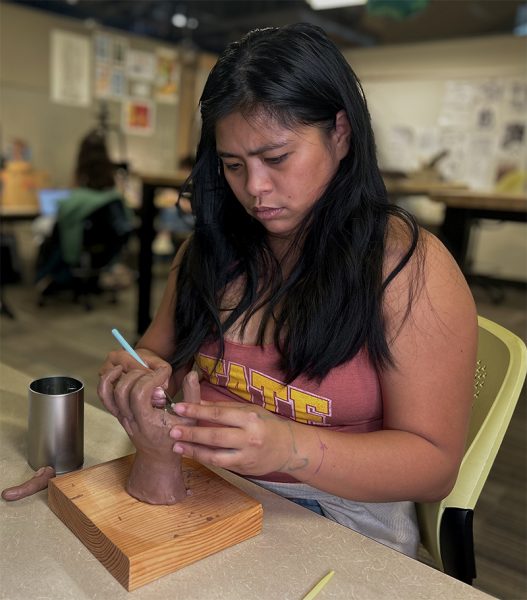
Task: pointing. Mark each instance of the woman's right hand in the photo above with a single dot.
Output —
(117, 365)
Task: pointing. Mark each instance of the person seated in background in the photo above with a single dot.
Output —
(94, 188)
(175, 221)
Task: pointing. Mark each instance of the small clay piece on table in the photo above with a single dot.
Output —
(38, 482)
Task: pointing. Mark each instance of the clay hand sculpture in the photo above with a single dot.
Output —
(156, 476)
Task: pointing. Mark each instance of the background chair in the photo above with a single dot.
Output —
(105, 234)
(446, 526)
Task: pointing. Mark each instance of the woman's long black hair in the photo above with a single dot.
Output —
(329, 306)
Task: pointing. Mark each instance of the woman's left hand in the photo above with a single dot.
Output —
(244, 438)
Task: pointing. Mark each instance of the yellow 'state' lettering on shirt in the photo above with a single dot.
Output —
(305, 407)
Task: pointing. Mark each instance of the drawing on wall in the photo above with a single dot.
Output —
(140, 65)
(168, 73)
(138, 116)
(513, 136)
(70, 68)
(486, 118)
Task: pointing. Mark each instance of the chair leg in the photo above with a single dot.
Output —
(457, 544)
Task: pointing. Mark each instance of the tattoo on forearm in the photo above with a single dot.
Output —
(323, 449)
(294, 462)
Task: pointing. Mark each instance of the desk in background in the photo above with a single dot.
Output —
(42, 558)
(7, 243)
(463, 207)
(18, 213)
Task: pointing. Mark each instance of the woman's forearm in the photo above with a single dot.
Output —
(380, 466)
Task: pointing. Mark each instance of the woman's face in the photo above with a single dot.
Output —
(277, 173)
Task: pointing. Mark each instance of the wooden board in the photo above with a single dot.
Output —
(139, 542)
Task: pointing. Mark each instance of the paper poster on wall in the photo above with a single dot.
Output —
(140, 65)
(119, 50)
(452, 167)
(70, 68)
(138, 116)
(102, 46)
(103, 79)
(517, 96)
(118, 84)
(480, 161)
(457, 104)
(513, 138)
(168, 73)
(140, 89)
(110, 82)
(400, 153)
(485, 118)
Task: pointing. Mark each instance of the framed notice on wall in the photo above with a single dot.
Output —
(70, 68)
(138, 116)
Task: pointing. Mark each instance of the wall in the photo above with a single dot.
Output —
(53, 130)
(405, 85)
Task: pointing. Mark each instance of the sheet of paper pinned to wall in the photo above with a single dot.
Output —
(110, 62)
(482, 124)
(168, 75)
(70, 68)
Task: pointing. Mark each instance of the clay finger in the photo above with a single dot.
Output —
(105, 389)
(191, 388)
(142, 391)
(38, 482)
(123, 390)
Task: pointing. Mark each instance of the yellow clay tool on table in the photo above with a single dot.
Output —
(314, 592)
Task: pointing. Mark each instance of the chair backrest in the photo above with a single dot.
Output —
(106, 231)
(500, 374)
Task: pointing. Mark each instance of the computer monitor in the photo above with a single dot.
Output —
(49, 200)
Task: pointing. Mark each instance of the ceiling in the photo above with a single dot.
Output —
(222, 21)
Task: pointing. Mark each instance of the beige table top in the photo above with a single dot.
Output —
(41, 558)
(167, 178)
(419, 187)
(481, 200)
(19, 211)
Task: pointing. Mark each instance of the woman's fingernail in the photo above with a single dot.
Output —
(179, 409)
(158, 393)
(178, 448)
(175, 433)
(192, 377)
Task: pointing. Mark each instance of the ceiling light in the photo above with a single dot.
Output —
(192, 23)
(179, 20)
(325, 4)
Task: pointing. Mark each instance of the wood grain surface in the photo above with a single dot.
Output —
(139, 542)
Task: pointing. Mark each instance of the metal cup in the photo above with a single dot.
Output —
(56, 424)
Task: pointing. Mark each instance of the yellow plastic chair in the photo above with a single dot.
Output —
(446, 526)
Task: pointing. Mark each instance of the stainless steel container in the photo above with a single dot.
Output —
(55, 435)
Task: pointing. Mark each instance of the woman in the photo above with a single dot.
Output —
(335, 340)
